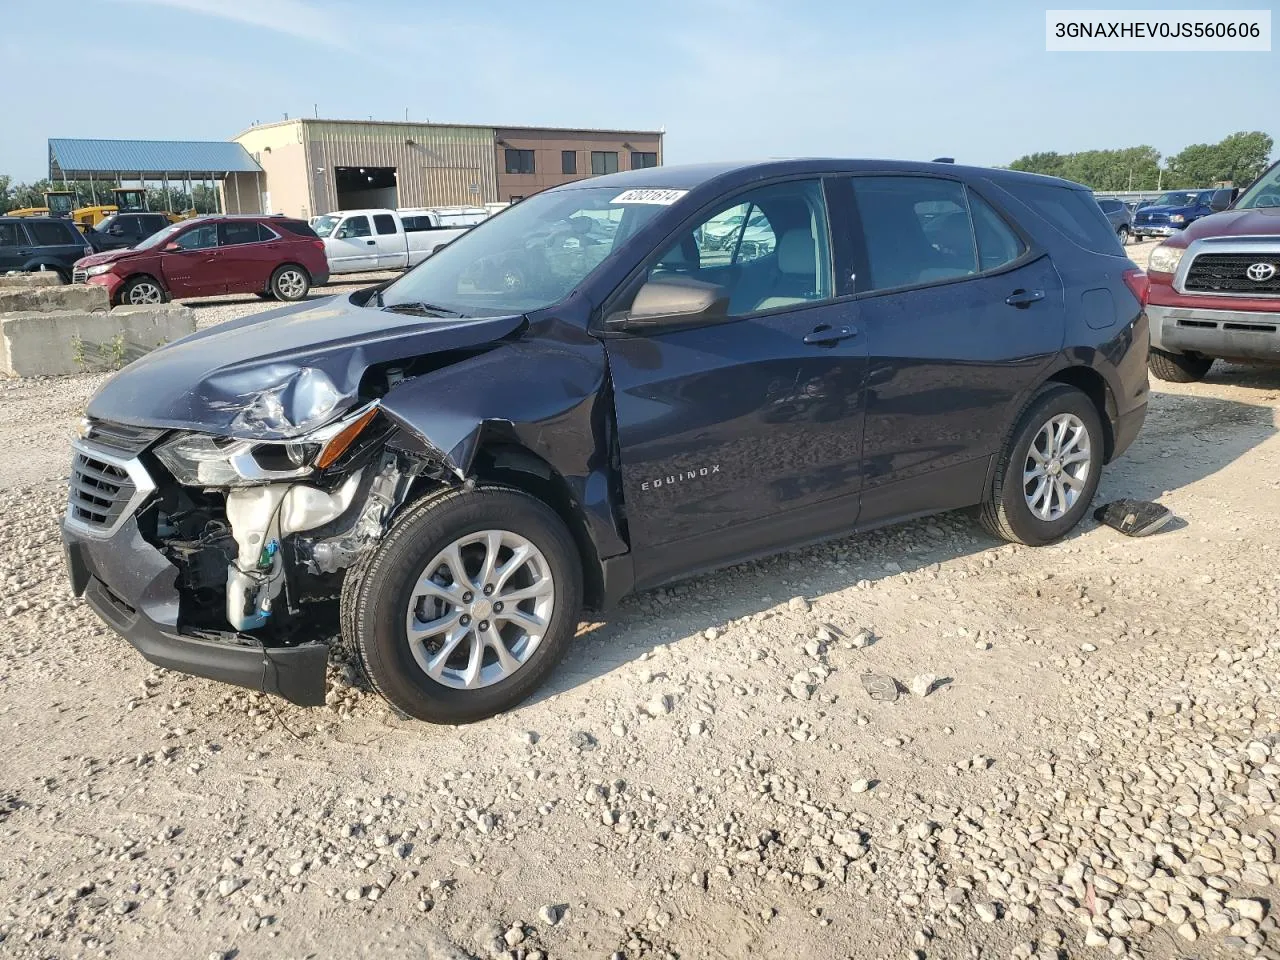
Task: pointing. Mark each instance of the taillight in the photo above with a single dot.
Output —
(1138, 284)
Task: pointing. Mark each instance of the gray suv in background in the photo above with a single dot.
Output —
(41, 243)
(1119, 216)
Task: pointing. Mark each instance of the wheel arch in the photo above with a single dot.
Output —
(143, 275)
(503, 461)
(1094, 385)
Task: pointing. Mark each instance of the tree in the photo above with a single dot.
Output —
(1237, 159)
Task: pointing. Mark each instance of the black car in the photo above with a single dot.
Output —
(41, 243)
(1119, 216)
(119, 231)
(447, 469)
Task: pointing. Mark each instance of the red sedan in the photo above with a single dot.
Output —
(271, 256)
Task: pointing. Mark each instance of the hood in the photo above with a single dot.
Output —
(1262, 222)
(281, 373)
(1167, 209)
(109, 256)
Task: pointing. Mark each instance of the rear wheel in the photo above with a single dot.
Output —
(1123, 235)
(290, 282)
(1177, 367)
(1049, 471)
(140, 291)
(466, 605)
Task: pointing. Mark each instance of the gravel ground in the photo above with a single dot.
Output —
(1085, 758)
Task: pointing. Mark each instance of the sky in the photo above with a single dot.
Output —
(726, 79)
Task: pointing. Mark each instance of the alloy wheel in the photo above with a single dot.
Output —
(142, 293)
(290, 284)
(480, 609)
(1057, 467)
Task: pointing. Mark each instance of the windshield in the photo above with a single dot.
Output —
(161, 236)
(1176, 200)
(1264, 193)
(323, 226)
(530, 257)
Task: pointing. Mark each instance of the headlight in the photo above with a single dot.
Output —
(202, 460)
(1177, 218)
(1165, 259)
(98, 270)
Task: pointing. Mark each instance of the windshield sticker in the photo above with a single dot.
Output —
(661, 197)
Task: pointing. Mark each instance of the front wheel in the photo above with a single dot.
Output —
(141, 291)
(1177, 367)
(467, 604)
(1049, 470)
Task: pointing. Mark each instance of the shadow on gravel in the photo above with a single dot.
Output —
(1185, 439)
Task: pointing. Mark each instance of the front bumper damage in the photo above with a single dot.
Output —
(207, 604)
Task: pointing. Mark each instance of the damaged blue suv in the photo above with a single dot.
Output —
(610, 385)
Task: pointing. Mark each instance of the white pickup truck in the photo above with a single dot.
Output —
(359, 240)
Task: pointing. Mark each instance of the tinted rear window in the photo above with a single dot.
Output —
(51, 233)
(384, 223)
(296, 227)
(1074, 213)
(11, 234)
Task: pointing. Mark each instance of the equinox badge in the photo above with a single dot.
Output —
(683, 476)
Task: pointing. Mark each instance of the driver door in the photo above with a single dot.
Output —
(745, 434)
(352, 247)
(192, 270)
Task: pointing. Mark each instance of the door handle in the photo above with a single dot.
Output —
(825, 336)
(1023, 298)
(370, 242)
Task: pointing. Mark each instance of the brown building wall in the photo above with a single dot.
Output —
(547, 147)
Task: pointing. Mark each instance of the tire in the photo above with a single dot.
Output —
(289, 283)
(264, 294)
(1123, 235)
(140, 291)
(380, 596)
(1006, 512)
(1177, 367)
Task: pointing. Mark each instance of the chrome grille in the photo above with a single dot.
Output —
(106, 489)
(79, 276)
(121, 437)
(1151, 219)
(99, 491)
(1228, 273)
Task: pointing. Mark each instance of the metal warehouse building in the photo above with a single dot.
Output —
(317, 166)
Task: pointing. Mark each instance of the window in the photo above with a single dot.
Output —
(151, 224)
(201, 238)
(234, 234)
(519, 161)
(1265, 192)
(51, 233)
(915, 230)
(384, 223)
(298, 228)
(569, 161)
(642, 160)
(767, 249)
(416, 224)
(11, 235)
(997, 243)
(1071, 212)
(353, 227)
(604, 161)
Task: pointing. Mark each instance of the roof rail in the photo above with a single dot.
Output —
(944, 159)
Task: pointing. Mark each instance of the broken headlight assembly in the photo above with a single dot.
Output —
(203, 460)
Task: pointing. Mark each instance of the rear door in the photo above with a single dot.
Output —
(390, 237)
(245, 257)
(737, 437)
(192, 270)
(352, 247)
(56, 241)
(962, 315)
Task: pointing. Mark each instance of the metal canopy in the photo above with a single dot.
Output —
(146, 159)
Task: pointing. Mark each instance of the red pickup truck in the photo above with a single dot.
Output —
(1215, 287)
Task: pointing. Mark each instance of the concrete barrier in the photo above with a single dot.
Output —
(80, 297)
(36, 278)
(74, 341)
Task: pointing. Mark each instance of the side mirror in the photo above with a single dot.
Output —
(1219, 202)
(172, 245)
(673, 302)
